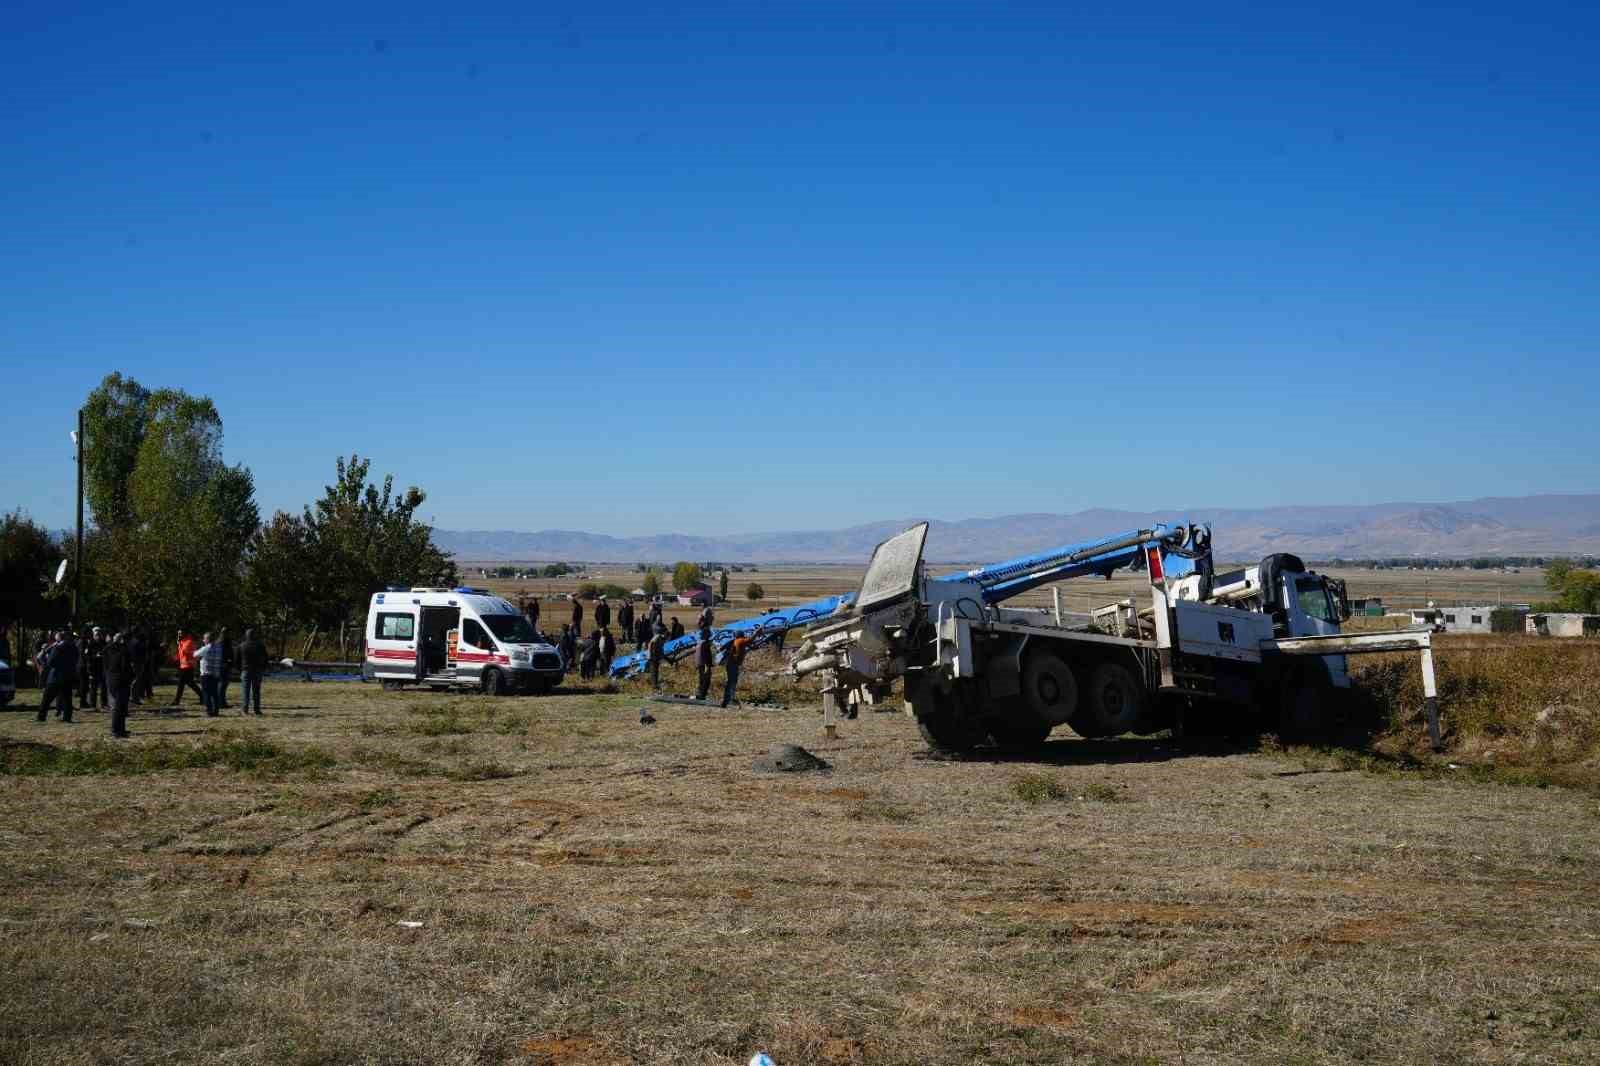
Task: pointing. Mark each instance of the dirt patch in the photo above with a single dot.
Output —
(1054, 1019)
(568, 1049)
(1095, 912)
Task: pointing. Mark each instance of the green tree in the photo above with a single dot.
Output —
(276, 588)
(651, 583)
(722, 584)
(754, 591)
(1555, 574)
(685, 575)
(29, 556)
(363, 538)
(173, 527)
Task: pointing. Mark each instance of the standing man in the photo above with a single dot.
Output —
(252, 665)
(704, 656)
(532, 612)
(577, 615)
(676, 630)
(732, 659)
(707, 617)
(641, 632)
(60, 665)
(625, 619)
(210, 660)
(655, 610)
(185, 656)
(89, 663)
(227, 668)
(658, 643)
(138, 654)
(608, 651)
(118, 681)
(602, 613)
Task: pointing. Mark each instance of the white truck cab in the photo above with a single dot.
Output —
(456, 638)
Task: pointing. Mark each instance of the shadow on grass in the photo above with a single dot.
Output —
(1074, 751)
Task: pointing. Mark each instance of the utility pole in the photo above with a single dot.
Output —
(77, 565)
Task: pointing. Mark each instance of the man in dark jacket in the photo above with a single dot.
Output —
(227, 667)
(252, 666)
(642, 631)
(138, 650)
(655, 610)
(91, 670)
(532, 611)
(704, 656)
(577, 615)
(625, 620)
(675, 630)
(118, 681)
(60, 662)
(602, 613)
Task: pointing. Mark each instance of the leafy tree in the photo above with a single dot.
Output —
(754, 591)
(685, 576)
(361, 539)
(722, 584)
(115, 418)
(1555, 574)
(173, 526)
(280, 558)
(29, 556)
(588, 590)
(651, 583)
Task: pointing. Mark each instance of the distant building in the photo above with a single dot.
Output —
(1488, 618)
(696, 596)
(1562, 624)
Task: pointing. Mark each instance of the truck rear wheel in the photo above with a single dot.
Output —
(1049, 690)
(1114, 704)
(1305, 707)
(940, 718)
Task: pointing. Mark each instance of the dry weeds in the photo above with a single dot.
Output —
(590, 890)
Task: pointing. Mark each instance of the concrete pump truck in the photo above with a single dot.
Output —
(1258, 647)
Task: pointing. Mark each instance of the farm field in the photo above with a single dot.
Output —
(786, 585)
(378, 877)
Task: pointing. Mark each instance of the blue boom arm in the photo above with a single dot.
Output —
(762, 629)
(1100, 558)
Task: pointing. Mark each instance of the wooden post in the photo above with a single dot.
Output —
(830, 705)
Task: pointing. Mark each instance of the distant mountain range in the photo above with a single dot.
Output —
(1497, 525)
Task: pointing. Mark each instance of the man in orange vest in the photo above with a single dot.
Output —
(186, 664)
(732, 659)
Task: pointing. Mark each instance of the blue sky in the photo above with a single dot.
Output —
(732, 268)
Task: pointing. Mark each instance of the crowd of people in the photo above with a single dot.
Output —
(650, 632)
(117, 670)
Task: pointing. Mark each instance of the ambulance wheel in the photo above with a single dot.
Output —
(1114, 704)
(494, 682)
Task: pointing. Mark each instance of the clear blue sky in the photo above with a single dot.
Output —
(734, 268)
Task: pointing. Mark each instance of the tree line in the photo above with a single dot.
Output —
(174, 537)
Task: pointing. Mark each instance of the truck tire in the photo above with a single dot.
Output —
(1114, 704)
(1305, 707)
(940, 719)
(494, 682)
(1018, 728)
(1049, 690)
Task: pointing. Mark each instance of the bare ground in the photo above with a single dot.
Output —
(590, 890)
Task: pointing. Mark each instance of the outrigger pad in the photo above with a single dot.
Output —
(892, 571)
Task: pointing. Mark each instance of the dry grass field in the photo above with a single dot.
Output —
(371, 877)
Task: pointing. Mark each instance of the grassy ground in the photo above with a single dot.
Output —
(589, 890)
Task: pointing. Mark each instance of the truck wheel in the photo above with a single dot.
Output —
(1114, 705)
(1018, 729)
(1049, 690)
(494, 682)
(940, 719)
(1305, 705)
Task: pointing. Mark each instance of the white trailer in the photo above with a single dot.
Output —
(1209, 651)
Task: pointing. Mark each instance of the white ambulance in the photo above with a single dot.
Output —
(456, 638)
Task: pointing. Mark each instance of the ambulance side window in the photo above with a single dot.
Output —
(473, 634)
(395, 627)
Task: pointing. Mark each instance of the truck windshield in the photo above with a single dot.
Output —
(510, 628)
(1313, 598)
